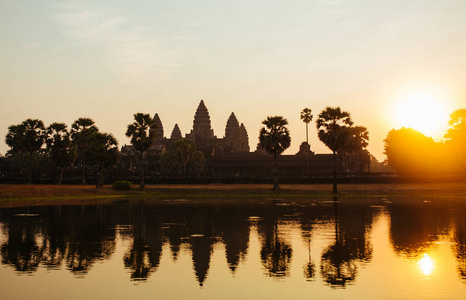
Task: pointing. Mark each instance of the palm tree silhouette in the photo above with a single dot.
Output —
(59, 144)
(34, 138)
(331, 125)
(141, 136)
(306, 117)
(275, 138)
(81, 130)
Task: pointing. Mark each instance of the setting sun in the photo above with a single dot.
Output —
(426, 112)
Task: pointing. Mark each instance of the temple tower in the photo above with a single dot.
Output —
(159, 129)
(232, 142)
(176, 133)
(201, 124)
(243, 138)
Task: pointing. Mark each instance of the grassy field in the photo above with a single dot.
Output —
(30, 194)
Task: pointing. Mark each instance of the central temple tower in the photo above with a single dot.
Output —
(201, 124)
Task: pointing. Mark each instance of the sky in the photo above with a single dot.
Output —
(106, 60)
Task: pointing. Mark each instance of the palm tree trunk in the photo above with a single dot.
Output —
(100, 178)
(335, 191)
(83, 175)
(60, 175)
(276, 187)
(20, 162)
(30, 168)
(307, 152)
(142, 172)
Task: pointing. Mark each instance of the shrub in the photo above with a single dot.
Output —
(121, 185)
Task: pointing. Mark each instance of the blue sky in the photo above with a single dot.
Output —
(61, 60)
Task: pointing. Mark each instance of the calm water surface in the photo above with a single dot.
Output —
(378, 248)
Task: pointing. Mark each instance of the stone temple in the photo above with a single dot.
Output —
(235, 139)
(229, 156)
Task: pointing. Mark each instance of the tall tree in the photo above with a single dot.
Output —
(81, 131)
(59, 147)
(104, 149)
(331, 126)
(141, 136)
(354, 150)
(456, 136)
(34, 137)
(408, 150)
(275, 138)
(15, 140)
(181, 154)
(306, 117)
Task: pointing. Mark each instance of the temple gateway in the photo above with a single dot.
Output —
(230, 156)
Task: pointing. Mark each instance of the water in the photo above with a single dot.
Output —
(242, 249)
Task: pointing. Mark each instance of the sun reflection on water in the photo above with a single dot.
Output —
(426, 264)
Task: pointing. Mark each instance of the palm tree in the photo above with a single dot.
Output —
(59, 147)
(104, 149)
(15, 140)
(330, 125)
(141, 136)
(456, 136)
(81, 131)
(34, 137)
(306, 116)
(275, 138)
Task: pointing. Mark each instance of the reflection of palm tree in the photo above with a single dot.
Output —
(275, 254)
(309, 268)
(337, 264)
(276, 257)
(89, 239)
(144, 255)
(138, 260)
(21, 249)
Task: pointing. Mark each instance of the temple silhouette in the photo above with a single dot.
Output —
(230, 156)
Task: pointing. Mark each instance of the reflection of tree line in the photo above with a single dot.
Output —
(78, 236)
(416, 227)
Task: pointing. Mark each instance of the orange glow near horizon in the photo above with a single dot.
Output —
(424, 111)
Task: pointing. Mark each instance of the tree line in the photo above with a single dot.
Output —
(410, 151)
(335, 129)
(84, 144)
(80, 146)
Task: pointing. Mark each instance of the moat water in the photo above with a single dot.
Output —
(371, 248)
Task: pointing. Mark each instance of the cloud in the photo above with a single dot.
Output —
(129, 48)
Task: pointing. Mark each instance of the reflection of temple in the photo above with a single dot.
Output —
(230, 156)
(78, 236)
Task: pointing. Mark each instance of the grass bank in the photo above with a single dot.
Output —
(31, 194)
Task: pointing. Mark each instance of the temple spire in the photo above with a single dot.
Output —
(243, 138)
(232, 141)
(176, 133)
(159, 129)
(201, 124)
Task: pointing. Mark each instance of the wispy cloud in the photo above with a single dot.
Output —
(129, 48)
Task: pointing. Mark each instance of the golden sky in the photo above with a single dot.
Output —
(61, 60)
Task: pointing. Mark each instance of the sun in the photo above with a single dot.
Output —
(426, 112)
